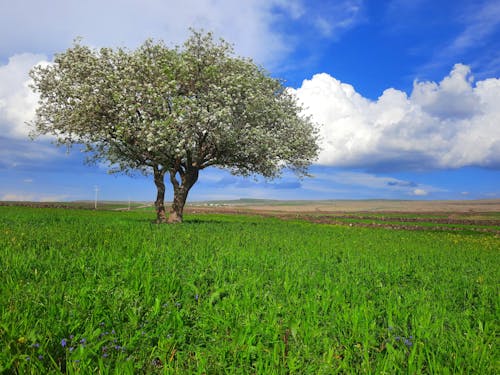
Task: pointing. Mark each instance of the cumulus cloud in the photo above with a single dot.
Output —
(17, 100)
(17, 106)
(448, 124)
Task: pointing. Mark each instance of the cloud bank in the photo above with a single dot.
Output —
(448, 124)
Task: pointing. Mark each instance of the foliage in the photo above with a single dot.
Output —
(236, 294)
(173, 111)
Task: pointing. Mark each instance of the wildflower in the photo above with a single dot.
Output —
(83, 341)
(40, 357)
(64, 343)
(71, 337)
(196, 297)
(105, 355)
(35, 345)
(408, 342)
(71, 348)
(113, 332)
(28, 358)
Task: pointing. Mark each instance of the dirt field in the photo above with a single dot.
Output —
(476, 216)
(368, 206)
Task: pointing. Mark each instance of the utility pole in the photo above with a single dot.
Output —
(96, 189)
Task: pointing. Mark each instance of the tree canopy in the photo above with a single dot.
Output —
(173, 111)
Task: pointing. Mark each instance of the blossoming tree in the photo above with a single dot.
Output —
(173, 112)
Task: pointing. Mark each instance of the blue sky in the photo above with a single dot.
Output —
(406, 93)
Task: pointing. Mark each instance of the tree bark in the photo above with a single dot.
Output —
(159, 177)
(181, 190)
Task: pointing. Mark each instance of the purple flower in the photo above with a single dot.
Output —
(408, 343)
(40, 357)
(35, 345)
(64, 343)
(28, 358)
(196, 297)
(83, 341)
(71, 337)
(105, 355)
(71, 349)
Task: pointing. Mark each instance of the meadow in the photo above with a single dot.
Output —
(105, 292)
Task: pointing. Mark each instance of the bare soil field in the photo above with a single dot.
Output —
(348, 206)
(477, 216)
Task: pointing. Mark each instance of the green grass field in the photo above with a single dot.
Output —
(109, 292)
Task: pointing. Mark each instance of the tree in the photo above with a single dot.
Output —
(173, 111)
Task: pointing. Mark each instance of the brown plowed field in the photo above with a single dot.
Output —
(477, 216)
(372, 206)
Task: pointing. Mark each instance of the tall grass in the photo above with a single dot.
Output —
(86, 292)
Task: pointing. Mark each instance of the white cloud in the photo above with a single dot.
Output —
(449, 124)
(420, 192)
(51, 28)
(254, 26)
(17, 107)
(370, 183)
(17, 100)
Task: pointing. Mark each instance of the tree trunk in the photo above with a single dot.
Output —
(159, 176)
(181, 190)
